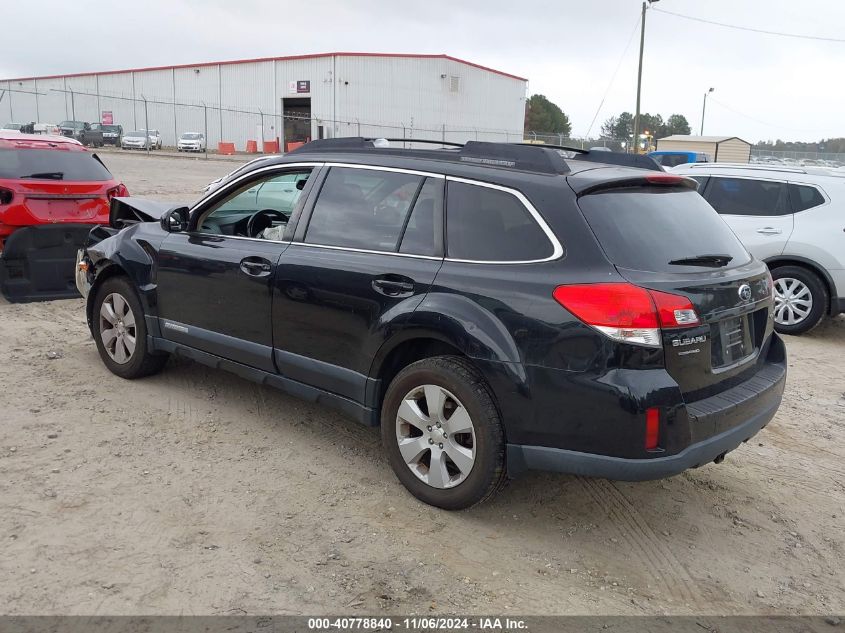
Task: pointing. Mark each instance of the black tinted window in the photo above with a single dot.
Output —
(804, 197)
(485, 224)
(744, 196)
(362, 208)
(646, 229)
(425, 226)
(59, 164)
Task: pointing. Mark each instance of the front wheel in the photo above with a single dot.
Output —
(800, 299)
(120, 331)
(443, 434)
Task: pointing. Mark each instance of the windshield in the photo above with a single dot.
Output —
(191, 136)
(646, 228)
(138, 133)
(77, 125)
(111, 128)
(51, 164)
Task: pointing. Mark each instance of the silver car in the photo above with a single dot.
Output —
(191, 142)
(138, 139)
(792, 218)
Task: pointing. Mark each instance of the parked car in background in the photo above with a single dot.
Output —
(155, 139)
(794, 220)
(82, 132)
(47, 128)
(15, 127)
(671, 158)
(112, 134)
(136, 139)
(574, 315)
(51, 191)
(191, 142)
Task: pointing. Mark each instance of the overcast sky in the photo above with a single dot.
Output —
(767, 86)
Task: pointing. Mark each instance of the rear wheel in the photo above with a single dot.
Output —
(800, 299)
(120, 331)
(443, 434)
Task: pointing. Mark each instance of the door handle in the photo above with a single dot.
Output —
(393, 287)
(256, 266)
(769, 230)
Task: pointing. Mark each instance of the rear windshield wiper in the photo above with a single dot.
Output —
(48, 175)
(702, 260)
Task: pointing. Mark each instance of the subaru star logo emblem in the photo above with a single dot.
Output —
(745, 292)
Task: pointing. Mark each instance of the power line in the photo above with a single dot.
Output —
(753, 30)
(613, 77)
(756, 120)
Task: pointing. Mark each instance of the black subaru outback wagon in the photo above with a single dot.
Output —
(493, 307)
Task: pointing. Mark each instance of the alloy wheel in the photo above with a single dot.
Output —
(436, 436)
(117, 328)
(793, 301)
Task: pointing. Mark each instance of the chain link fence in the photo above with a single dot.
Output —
(270, 131)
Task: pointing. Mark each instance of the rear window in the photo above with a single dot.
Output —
(51, 164)
(646, 229)
(672, 160)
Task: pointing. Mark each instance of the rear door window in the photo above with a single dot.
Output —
(51, 164)
(485, 224)
(362, 208)
(804, 197)
(747, 196)
(646, 228)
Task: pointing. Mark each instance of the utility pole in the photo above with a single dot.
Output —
(703, 108)
(646, 3)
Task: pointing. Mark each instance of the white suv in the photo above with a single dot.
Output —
(793, 218)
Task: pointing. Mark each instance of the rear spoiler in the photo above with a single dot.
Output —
(596, 180)
(639, 161)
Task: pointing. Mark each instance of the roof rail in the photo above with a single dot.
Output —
(531, 158)
(545, 159)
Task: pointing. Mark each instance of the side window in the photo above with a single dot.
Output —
(268, 202)
(745, 196)
(362, 208)
(424, 230)
(804, 197)
(485, 224)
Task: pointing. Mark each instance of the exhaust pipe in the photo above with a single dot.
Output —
(720, 458)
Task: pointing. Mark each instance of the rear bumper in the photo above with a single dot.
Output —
(725, 420)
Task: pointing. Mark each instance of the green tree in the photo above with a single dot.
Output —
(544, 117)
(677, 124)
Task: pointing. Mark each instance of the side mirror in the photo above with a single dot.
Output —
(175, 220)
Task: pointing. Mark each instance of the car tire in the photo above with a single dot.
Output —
(796, 290)
(120, 331)
(451, 383)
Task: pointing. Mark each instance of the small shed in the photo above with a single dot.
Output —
(721, 149)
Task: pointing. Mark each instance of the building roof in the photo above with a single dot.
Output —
(700, 139)
(271, 59)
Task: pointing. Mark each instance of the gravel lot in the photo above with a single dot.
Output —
(196, 492)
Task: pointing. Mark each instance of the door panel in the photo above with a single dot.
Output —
(757, 210)
(214, 294)
(337, 307)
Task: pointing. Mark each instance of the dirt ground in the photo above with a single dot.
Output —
(196, 492)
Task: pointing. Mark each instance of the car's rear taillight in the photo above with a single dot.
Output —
(6, 196)
(118, 192)
(626, 312)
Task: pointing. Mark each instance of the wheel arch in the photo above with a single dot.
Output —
(813, 267)
(107, 270)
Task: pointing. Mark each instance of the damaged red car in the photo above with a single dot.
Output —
(52, 190)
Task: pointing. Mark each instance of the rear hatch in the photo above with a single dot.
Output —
(661, 235)
(49, 184)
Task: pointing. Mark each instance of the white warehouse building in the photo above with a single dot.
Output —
(285, 99)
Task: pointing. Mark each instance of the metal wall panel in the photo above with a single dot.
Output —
(370, 95)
